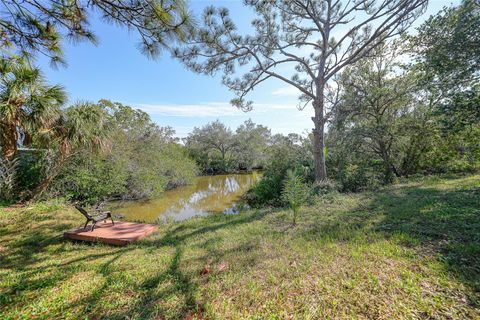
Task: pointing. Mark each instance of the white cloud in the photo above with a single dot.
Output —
(211, 109)
(208, 109)
(257, 107)
(288, 91)
(279, 117)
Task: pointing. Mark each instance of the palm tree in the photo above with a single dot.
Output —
(81, 128)
(27, 103)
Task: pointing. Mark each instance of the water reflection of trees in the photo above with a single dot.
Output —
(214, 194)
(209, 194)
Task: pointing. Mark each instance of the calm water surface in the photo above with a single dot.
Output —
(208, 194)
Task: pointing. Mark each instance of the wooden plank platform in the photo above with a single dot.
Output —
(120, 234)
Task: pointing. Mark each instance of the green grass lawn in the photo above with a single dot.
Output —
(410, 251)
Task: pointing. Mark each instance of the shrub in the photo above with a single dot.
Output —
(142, 161)
(283, 157)
(269, 190)
(91, 178)
(325, 187)
(30, 171)
(295, 193)
(8, 170)
(353, 178)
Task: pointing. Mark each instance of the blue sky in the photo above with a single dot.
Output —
(172, 95)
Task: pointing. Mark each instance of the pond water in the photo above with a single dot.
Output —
(207, 195)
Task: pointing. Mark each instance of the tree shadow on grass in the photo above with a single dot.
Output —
(20, 251)
(444, 223)
(179, 284)
(185, 283)
(441, 222)
(174, 281)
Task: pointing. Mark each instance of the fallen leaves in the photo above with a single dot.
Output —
(219, 267)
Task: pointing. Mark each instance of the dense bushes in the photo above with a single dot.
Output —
(286, 153)
(99, 151)
(142, 161)
(91, 177)
(269, 189)
(120, 175)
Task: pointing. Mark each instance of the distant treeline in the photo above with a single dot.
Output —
(411, 107)
(217, 149)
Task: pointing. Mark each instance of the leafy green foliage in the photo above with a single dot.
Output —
(141, 160)
(41, 26)
(448, 62)
(375, 100)
(218, 150)
(251, 144)
(389, 125)
(446, 45)
(287, 153)
(91, 178)
(30, 171)
(268, 190)
(324, 187)
(461, 110)
(212, 146)
(80, 129)
(28, 105)
(295, 193)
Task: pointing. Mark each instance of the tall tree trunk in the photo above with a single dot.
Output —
(319, 138)
(390, 169)
(10, 138)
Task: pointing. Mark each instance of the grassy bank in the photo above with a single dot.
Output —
(410, 251)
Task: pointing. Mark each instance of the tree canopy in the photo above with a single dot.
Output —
(447, 49)
(304, 44)
(32, 27)
(217, 149)
(448, 62)
(28, 105)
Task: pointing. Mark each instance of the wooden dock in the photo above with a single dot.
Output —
(120, 234)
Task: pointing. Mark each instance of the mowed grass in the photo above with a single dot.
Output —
(411, 251)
